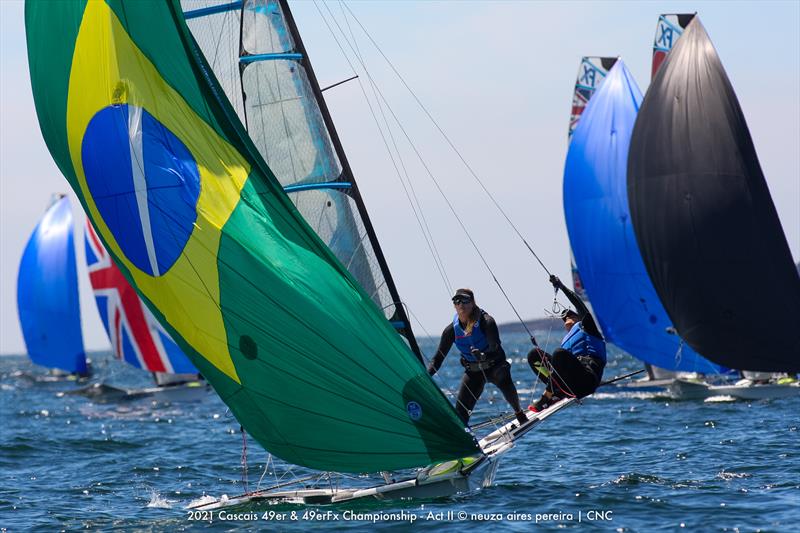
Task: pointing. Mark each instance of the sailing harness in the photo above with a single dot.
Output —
(474, 340)
(478, 365)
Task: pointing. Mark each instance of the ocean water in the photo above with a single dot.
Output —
(620, 461)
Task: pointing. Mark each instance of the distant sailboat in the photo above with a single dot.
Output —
(47, 293)
(705, 223)
(625, 303)
(136, 336)
(273, 304)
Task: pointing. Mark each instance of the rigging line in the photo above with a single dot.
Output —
(244, 458)
(266, 468)
(417, 209)
(375, 90)
(442, 193)
(449, 142)
(431, 246)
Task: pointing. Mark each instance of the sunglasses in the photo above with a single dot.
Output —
(462, 301)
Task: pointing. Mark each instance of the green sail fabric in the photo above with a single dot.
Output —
(196, 221)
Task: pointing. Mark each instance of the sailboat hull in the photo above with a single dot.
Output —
(436, 481)
(104, 393)
(746, 390)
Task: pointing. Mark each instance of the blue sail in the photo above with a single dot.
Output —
(47, 293)
(598, 221)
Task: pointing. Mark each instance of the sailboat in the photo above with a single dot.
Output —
(292, 318)
(693, 168)
(624, 301)
(136, 336)
(47, 294)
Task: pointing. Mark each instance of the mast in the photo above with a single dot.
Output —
(400, 318)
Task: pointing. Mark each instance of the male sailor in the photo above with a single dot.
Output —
(475, 335)
(576, 368)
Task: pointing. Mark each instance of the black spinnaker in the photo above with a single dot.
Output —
(708, 231)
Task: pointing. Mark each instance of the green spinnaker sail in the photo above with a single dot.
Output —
(180, 196)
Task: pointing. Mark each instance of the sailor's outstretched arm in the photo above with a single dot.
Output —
(445, 343)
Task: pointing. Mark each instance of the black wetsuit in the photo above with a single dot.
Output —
(473, 382)
(569, 374)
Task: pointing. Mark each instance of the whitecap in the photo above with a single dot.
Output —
(203, 500)
(158, 502)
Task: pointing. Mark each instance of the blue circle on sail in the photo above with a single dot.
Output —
(414, 410)
(144, 182)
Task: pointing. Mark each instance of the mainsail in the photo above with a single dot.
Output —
(598, 221)
(136, 336)
(47, 293)
(704, 219)
(263, 66)
(591, 73)
(198, 223)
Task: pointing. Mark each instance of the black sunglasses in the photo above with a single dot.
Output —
(462, 301)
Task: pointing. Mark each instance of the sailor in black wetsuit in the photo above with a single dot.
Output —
(576, 368)
(475, 335)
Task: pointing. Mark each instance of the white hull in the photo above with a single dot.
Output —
(435, 481)
(102, 393)
(647, 385)
(744, 390)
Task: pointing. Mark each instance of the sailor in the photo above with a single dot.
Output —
(576, 368)
(475, 335)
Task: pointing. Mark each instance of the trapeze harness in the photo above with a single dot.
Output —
(581, 344)
(588, 350)
(465, 344)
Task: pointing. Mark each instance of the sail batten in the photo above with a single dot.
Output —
(212, 10)
(269, 57)
(247, 288)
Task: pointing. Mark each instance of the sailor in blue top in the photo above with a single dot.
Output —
(475, 335)
(576, 368)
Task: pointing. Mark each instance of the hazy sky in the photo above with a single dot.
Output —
(498, 77)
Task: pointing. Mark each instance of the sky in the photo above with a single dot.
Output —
(498, 78)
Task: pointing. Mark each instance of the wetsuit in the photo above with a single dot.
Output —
(492, 366)
(575, 368)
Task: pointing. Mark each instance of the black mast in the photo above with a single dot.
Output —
(400, 312)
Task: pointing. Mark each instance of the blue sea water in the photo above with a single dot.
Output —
(621, 461)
